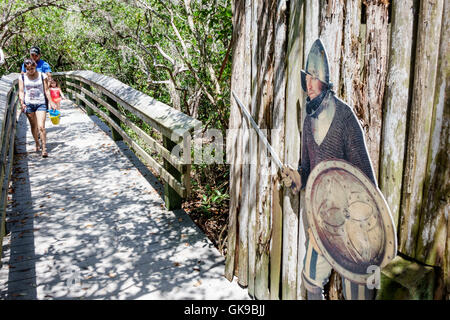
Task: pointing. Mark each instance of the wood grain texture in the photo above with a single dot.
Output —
(397, 95)
(331, 34)
(350, 67)
(374, 77)
(245, 96)
(292, 247)
(422, 105)
(233, 140)
(278, 142)
(433, 233)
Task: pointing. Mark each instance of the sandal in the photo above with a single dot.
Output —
(44, 153)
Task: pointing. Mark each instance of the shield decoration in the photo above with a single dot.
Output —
(349, 219)
(316, 64)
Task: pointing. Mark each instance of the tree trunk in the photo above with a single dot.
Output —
(174, 95)
(243, 215)
(266, 10)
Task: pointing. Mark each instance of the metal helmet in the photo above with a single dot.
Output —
(349, 219)
(317, 64)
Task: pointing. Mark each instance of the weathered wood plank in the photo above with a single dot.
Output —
(265, 18)
(113, 106)
(291, 248)
(243, 215)
(312, 18)
(396, 104)
(254, 168)
(427, 50)
(350, 67)
(331, 22)
(233, 141)
(172, 199)
(278, 141)
(374, 77)
(433, 233)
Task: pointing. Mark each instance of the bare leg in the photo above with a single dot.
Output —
(40, 116)
(34, 128)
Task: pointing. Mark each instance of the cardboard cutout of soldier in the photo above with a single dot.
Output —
(332, 131)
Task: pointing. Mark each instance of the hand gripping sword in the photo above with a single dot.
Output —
(259, 132)
(294, 185)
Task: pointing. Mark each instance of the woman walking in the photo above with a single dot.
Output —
(34, 94)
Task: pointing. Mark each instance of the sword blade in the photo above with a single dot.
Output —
(259, 132)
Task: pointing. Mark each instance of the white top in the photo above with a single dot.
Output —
(34, 89)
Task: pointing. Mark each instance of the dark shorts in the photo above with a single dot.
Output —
(35, 107)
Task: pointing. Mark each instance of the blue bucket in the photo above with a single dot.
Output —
(54, 116)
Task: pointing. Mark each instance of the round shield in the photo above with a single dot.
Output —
(349, 219)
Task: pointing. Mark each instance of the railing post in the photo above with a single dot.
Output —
(77, 100)
(63, 85)
(115, 135)
(171, 198)
(89, 111)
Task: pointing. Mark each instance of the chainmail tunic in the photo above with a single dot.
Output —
(344, 140)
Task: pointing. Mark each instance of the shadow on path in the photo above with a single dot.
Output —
(85, 224)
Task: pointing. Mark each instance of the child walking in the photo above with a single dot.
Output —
(56, 93)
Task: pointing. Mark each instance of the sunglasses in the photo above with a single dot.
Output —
(29, 67)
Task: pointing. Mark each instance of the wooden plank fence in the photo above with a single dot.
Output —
(389, 62)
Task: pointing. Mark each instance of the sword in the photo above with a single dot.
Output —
(258, 130)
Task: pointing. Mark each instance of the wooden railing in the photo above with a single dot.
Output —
(93, 91)
(8, 122)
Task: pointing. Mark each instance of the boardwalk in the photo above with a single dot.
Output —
(88, 222)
